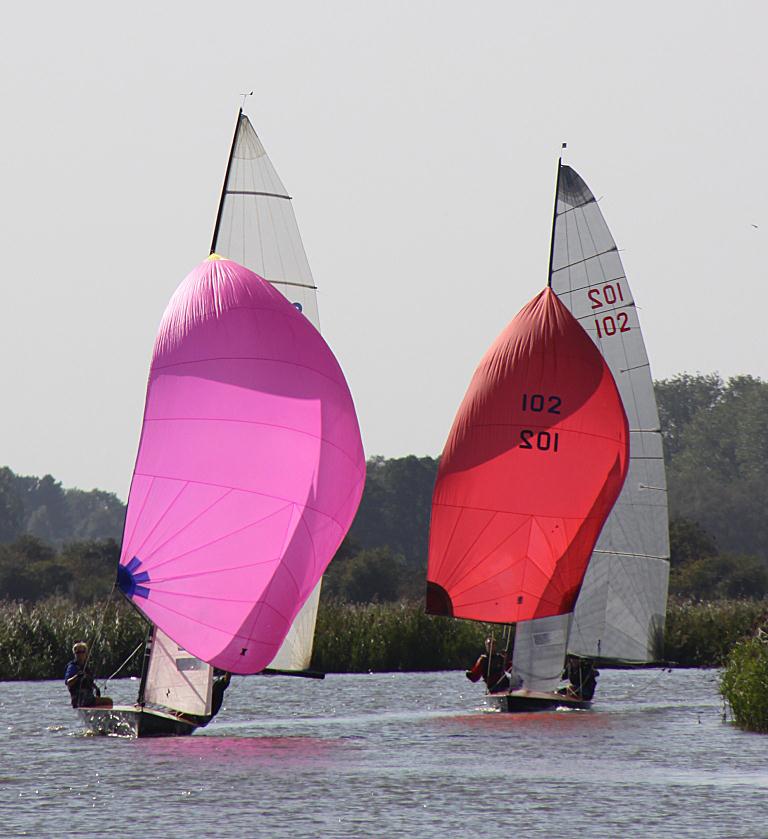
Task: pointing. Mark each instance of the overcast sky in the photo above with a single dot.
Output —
(419, 141)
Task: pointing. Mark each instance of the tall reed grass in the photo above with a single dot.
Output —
(357, 638)
(702, 634)
(745, 683)
(36, 640)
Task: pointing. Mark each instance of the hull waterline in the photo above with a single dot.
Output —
(135, 721)
(525, 701)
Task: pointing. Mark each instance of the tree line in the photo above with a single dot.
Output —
(56, 541)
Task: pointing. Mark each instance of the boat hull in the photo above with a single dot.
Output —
(135, 721)
(525, 701)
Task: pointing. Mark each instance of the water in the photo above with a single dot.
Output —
(391, 755)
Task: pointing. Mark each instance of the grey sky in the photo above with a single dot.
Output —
(419, 141)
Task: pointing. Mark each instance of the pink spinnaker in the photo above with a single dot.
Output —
(249, 472)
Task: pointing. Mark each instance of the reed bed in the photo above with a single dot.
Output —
(36, 639)
(744, 684)
(701, 634)
(380, 637)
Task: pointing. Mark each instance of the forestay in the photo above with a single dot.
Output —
(533, 464)
(257, 228)
(620, 610)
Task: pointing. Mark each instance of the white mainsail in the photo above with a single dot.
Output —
(257, 228)
(621, 608)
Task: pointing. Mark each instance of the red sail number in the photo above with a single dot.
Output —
(607, 295)
(608, 325)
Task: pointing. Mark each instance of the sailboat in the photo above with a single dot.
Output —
(250, 466)
(535, 459)
(618, 617)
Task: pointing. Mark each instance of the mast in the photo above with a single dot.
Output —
(226, 179)
(554, 218)
(145, 663)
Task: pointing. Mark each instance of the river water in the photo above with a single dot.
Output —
(391, 755)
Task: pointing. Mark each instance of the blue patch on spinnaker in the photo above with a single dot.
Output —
(128, 580)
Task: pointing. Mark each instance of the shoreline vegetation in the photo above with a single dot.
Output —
(744, 683)
(36, 639)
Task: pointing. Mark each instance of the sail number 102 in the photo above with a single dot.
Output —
(609, 295)
(538, 403)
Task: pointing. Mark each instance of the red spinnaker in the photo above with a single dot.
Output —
(535, 460)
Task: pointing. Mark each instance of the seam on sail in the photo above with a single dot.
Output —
(221, 538)
(330, 443)
(593, 285)
(187, 524)
(585, 259)
(591, 200)
(482, 559)
(162, 515)
(245, 489)
(205, 360)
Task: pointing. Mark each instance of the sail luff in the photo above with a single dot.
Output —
(554, 222)
(215, 237)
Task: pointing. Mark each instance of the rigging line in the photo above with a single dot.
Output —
(97, 635)
(109, 678)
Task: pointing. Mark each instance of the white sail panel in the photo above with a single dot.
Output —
(539, 652)
(624, 593)
(295, 652)
(617, 621)
(257, 228)
(176, 679)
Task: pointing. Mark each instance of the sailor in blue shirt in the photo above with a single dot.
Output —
(79, 681)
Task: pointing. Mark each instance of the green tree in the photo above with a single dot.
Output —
(689, 541)
(396, 505)
(92, 567)
(29, 570)
(11, 507)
